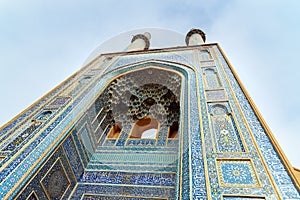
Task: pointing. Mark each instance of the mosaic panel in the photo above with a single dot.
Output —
(58, 102)
(215, 95)
(237, 173)
(142, 142)
(128, 178)
(115, 190)
(56, 177)
(73, 156)
(91, 113)
(27, 132)
(205, 55)
(21, 137)
(132, 156)
(226, 135)
(286, 188)
(87, 141)
(109, 142)
(156, 150)
(173, 143)
(80, 85)
(56, 181)
(212, 80)
(27, 157)
(195, 142)
(207, 63)
(98, 125)
(134, 167)
(103, 135)
(211, 155)
(44, 115)
(82, 151)
(211, 170)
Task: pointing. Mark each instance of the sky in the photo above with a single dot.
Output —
(44, 42)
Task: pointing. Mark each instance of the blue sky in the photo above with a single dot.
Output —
(44, 42)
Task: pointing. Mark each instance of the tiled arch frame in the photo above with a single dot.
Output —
(184, 173)
(185, 184)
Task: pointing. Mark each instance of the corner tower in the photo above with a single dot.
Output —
(169, 123)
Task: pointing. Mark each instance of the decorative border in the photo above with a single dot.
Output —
(212, 177)
(265, 141)
(238, 160)
(47, 173)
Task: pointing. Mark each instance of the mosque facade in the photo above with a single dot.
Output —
(168, 123)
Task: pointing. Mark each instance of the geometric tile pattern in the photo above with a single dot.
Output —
(210, 148)
(59, 101)
(74, 156)
(38, 185)
(237, 173)
(129, 178)
(212, 80)
(225, 132)
(56, 181)
(207, 63)
(118, 191)
(205, 55)
(197, 163)
(215, 95)
(285, 186)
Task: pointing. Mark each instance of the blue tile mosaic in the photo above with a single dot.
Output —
(129, 178)
(57, 168)
(206, 160)
(132, 191)
(287, 190)
(237, 173)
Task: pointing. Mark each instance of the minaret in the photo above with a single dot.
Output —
(140, 42)
(195, 37)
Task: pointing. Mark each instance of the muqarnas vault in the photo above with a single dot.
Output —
(169, 123)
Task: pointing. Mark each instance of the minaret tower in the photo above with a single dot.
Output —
(168, 123)
(140, 42)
